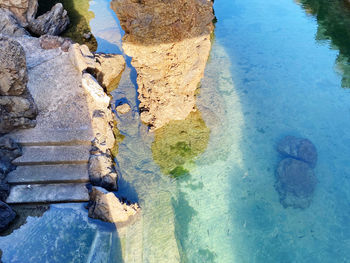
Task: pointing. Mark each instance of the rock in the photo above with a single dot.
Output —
(107, 207)
(102, 125)
(7, 215)
(87, 36)
(109, 68)
(95, 92)
(81, 57)
(102, 172)
(24, 10)
(9, 24)
(298, 148)
(295, 183)
(169, 42)
(51, 42)
(4, 190)
(53, 22)
(9, 150)
(123, 109)
(13, 68)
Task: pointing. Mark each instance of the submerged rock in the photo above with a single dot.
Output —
(9, 24)
(295, 183)
(123, 108)
(298, 148)
(53, 22)
(107, 207)
(7, 215)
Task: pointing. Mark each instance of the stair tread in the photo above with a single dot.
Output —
(48, 193)
(35, 174)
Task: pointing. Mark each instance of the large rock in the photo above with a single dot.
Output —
(82, 58)
(9, 24)
(52, 42)
(295, 183)
(102, 172)
(24, 10)
(298, 148)
(7, 215)
(53, 22)
(107, 207)
(169, 42)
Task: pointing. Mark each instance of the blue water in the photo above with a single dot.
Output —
(268, 75)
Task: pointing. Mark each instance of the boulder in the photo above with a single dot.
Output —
(109, 68)
(9, 24)
(7, 215)
(107, 207)
(81, 57)
(24, 10)
(295, 183)
(52, 42)
(298, 148)
(13, 68)
(123, 108)
(102, 172)
(9, 150)
(53, 22)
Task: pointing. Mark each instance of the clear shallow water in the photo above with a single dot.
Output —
(267, 77)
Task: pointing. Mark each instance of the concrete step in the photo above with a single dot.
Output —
(49, 174)
(48, 193)
(40, 155)
(39, 137)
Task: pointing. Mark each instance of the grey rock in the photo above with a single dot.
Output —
(81, 57)
(51, 42)
(298, 148)
(9, 150)
(102, 172)
(9, 24)
(4, 190)
(295, 183)
(24, 10)
(7, 215)
(53, 22)
(107, 207)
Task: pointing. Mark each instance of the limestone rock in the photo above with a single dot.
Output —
(24, 10)
(53, 22)
(81, 57)
(295, 183)
(169, 42)
(102, 125)
(102, 172)
(9, 24)
(95, 92)
(52, 42)
(7, 215)
(298, 148)
(13, 68)
(107, 207)
(123, 109)
(109, 68)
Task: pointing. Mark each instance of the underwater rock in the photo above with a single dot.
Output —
(295, 183)
(7, 215)
(24, 10)
(102, 172)
(51, 42)
(169, 42)
(53, 22)
(9, 24)
(107, 207)
(123, 108)
(298, 148)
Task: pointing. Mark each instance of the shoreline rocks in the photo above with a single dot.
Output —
(295, 178)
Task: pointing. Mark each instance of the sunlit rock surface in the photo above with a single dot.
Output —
(24, 10)
(169, 42)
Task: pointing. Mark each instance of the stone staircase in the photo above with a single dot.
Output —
(52, 169)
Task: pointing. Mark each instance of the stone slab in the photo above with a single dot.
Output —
(49, 193)
(48, 174)
(35, 155)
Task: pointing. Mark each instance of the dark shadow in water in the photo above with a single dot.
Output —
(79, 15)
(333, 19)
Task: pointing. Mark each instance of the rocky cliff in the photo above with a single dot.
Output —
(169, 42)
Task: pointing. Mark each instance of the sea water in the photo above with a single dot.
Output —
(276, 68)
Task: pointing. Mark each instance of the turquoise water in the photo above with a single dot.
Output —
(269, 75)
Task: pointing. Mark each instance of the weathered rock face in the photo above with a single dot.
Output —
(107, 207)
(169, 42)
(102, 172)
(298, 148)
(295, 183)
(17, 109)
(7, 215)
(9, 24)
(53, 22)
(24, 10)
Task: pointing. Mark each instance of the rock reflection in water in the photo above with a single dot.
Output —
(333, 18)
(169, 42)
(178, 143)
